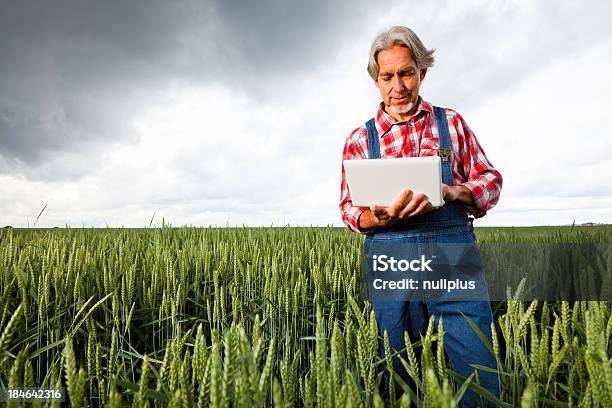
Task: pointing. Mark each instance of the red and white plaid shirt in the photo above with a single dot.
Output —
(418, 136)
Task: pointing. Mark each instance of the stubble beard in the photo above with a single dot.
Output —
(403, 110)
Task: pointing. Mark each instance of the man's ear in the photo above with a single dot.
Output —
(376, 83)
(422, 73)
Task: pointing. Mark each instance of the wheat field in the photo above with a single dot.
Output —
(251, 317)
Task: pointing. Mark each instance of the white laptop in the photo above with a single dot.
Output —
(380, 181)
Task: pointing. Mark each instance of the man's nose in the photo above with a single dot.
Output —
(398, 84)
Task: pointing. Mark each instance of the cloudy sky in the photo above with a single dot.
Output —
(232, 113)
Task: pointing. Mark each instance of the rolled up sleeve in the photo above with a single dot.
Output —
(483, 180)
(353, 150)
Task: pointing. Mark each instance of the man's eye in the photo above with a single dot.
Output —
(386, 78)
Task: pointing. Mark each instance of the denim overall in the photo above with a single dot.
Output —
(447, 224)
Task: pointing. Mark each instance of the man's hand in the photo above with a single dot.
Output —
(457, 193)
(407, 204)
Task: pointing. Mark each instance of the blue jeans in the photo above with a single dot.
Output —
(461, 343)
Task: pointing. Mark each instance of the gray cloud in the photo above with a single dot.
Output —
(275, 36)
(73, 73)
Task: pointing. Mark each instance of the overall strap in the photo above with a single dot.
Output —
(373, 145)
(445, 145)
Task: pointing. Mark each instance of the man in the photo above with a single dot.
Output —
(405, 126)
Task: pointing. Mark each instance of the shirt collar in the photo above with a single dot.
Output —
(384, 121)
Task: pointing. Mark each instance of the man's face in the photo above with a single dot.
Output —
(398, 81)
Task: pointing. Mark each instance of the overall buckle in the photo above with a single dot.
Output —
(470, 223)
(444, 154)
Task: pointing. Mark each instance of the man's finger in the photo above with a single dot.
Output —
(382, 216)
(424, 207)
(379, 212)
(377, 208)
(444, 190)
(405, 196)
(400, 202)
(412, 205)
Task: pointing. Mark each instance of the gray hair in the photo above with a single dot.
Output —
(405, 37)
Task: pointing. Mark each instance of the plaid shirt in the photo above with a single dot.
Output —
(418, 136)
